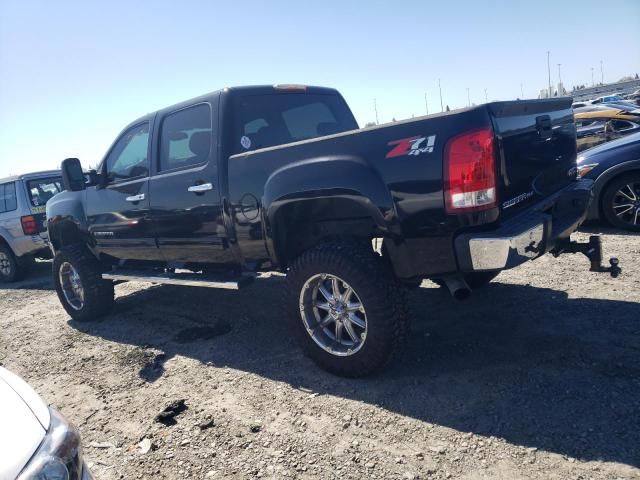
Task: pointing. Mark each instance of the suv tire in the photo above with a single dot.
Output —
(325, 286)
(11, 269)
(79, 284)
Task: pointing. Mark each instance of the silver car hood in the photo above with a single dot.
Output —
(24, 418)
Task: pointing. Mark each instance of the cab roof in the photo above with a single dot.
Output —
(246, 90)
(32, 175)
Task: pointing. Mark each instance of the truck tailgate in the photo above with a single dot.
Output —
(536, 150)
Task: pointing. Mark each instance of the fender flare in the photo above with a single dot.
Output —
(65, 213)
(4, 237)
(603, 180)
(338, 177)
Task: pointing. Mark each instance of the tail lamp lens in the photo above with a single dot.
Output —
(29, 225)
(470, 172)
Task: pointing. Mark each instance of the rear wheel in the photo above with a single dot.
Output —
(347, 309)
(79, 284)
(11, 269)
(621, 202)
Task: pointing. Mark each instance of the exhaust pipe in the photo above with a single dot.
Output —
(457, 287)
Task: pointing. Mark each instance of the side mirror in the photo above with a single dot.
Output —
(72, 176)
(93, 177)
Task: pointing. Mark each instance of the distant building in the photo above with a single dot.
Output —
(561, 90)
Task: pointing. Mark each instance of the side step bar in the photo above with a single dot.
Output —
(181, 278)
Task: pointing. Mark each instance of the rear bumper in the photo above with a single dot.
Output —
(29, 244)
(528, 235)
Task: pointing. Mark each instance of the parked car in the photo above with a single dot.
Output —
(607, 99)
(624, 106)
(596, 127)
(212, 190)
(594, 108)
(36, 441)
(634, 97)
(615, 169)
(23, 236)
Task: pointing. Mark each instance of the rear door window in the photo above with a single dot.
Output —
(8, 199)
(42, 189)
(266, 120)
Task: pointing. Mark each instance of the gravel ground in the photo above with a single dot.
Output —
(537, 376)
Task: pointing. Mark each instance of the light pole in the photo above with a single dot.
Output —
(601, 74)
(375, 107)
(549, 71)
(521, 92)
(486, 98)
(559, 79)
(468, 98)
(593, 83)
(426, 103)
(440, 88)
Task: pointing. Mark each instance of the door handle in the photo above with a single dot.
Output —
(135, 198)
(204, 187)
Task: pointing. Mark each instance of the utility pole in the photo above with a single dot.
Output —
(440, 88)
(593, 83)
(375, 107)
(426, 103)
(559, 75)
(486, 98)
(549, 70)
(468, 98)
(559, 80)
(601, 74)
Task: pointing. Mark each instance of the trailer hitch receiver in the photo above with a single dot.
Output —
(593, 251)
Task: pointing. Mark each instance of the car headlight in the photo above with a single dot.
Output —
(584, 169)
(59, 456)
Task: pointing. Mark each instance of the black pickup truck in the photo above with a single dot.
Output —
(213, 190)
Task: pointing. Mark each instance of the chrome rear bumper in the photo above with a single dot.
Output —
(528, 235)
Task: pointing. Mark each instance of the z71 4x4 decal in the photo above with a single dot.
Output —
(411, 146)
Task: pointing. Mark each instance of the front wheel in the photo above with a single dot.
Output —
(79, 284)
(348, 311)
(621, 202)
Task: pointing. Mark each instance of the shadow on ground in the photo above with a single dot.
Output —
(37, 278)
(522, 363)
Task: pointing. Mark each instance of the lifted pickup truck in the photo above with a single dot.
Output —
(210, 191)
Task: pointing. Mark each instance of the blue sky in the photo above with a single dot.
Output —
(73, 73)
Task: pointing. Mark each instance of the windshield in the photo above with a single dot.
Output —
(42, 189)
(267, 120)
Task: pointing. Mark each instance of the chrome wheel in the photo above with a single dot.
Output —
(71, 286)
(626, 204)
(5, 264)
(333, 315)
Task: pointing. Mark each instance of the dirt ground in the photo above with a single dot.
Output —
(535, 377)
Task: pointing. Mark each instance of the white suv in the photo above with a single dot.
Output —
(23, 235)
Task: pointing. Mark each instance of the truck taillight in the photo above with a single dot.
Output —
(470, 172)
(29, 225)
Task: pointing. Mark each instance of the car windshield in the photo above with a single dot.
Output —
(42, 189)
